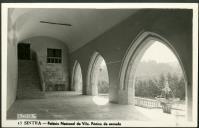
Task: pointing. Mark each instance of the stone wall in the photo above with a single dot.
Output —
(12, 70)
(54, 74)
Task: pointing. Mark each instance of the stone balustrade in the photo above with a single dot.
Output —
(147, 103)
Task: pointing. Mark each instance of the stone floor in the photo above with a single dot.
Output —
(74, 107)
(176, 116)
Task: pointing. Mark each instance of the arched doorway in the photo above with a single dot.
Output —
(77, 78)
(97, 79)
(131, 63)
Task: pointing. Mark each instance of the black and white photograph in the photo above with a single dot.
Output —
(99, 64)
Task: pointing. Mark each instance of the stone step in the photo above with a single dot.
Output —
(28, 82)
(25, 62)
(28, 68)
(29, 75)
(31, 89)
(31, 96)
(26, 78)
(49, 94)
(28, 72)
(29, 86)
(36, 87)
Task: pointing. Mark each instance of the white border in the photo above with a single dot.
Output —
(102, 5)
(194, 6)
(4, 13)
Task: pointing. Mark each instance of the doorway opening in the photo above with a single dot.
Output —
(77, 78)
(98, 81)
(23, 51)
(154, 79)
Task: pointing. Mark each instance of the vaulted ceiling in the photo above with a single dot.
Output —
(87, 24)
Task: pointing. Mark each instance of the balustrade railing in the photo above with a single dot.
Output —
(147, 103)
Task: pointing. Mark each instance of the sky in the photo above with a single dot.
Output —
(159, 53)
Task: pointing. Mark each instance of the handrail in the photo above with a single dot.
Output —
(42, 81)
(145, 102)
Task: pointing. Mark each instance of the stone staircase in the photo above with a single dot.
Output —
(50, 94)
(29, 86)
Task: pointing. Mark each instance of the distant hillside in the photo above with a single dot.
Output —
(150, 69)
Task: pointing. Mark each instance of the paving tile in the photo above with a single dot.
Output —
(74, 107)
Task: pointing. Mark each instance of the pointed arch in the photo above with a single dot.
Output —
(137, 49)
(92, 75)
(131, 60)
(77, 77)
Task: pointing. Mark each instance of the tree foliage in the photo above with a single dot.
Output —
(152, 88)
(103, 86)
